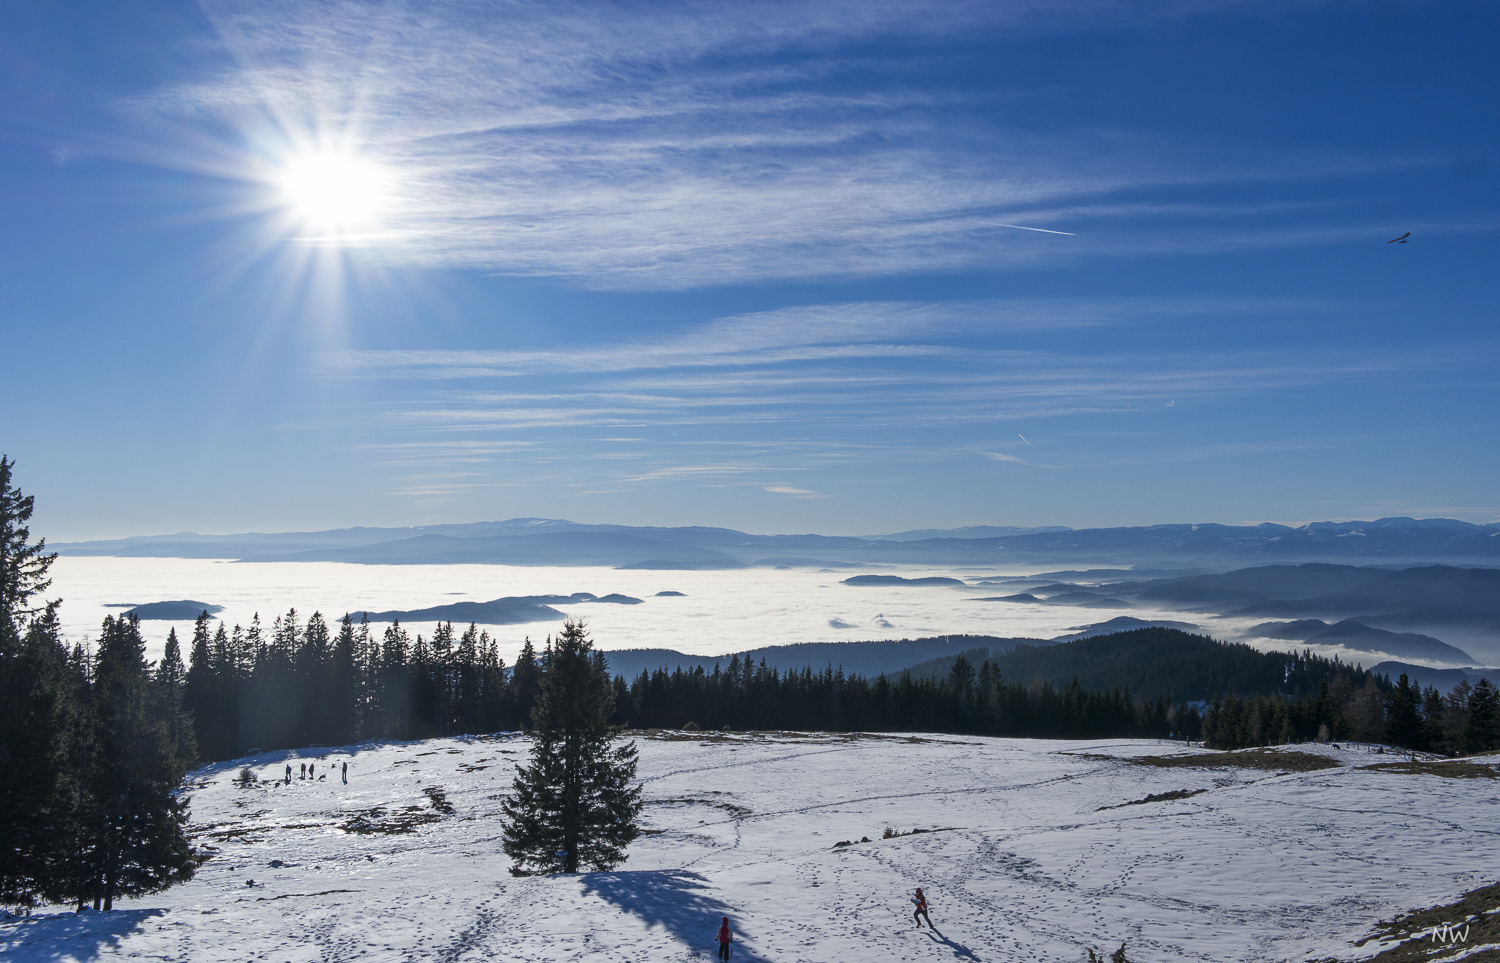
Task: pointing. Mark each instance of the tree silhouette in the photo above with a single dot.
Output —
(573, 804)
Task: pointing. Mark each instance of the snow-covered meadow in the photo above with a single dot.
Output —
(403, 862)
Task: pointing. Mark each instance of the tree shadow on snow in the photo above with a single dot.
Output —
(677, 900)
(68, 936)
(959, 950)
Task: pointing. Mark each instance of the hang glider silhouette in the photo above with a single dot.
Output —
(1401, 239)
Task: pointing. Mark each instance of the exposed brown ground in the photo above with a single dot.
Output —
(1448, 769)
(1288, 761)
(1474, 915)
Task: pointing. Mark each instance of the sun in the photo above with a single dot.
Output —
(333, 192)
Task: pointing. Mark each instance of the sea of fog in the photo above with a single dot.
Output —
(719, 612)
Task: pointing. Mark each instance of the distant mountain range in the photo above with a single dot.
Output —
(540, 541)
(969, 531)
(1395, 611)
(1354, 634)
(1441, 679)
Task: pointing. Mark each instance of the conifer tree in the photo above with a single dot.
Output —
(37, 706)
(314, 662)
(169, 680)
(524, 679)
(135, 820)
(395, 682)
(23, 563)
(573, 804)
(1456, 715)
(1432, 720)
(342, 684)
(442, 678)
(1482, 732)
(468, 681)
(367, 699)
(1403, 725)
(200, 694)
(424, 690)
(40, 719)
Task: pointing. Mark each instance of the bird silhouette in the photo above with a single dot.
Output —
(1401, 239)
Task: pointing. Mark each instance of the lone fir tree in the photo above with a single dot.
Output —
(573, 805)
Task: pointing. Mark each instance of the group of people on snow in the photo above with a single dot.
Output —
(306, 772)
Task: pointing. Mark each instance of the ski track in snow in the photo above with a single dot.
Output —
(1262, 866)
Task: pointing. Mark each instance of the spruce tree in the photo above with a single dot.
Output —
(1482, 732)
(573, 805)
(1456, 716)
(170, 679)
(135, 818)
(201, 693)
(40, 719)
(524, 679)
(23, 563)
(442, 674)
(1432, 720)
(1403, 724)
(37, 707)
(342, 684)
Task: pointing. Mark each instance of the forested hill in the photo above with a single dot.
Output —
(1158, 663)
(869, 658)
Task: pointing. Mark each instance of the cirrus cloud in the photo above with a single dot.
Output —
(684, 144)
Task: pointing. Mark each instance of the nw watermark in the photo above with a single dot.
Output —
(1449, 933)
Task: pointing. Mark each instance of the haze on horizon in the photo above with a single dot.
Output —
(780, 267)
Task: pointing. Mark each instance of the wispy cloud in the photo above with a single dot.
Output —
(767, 400)
(1013, 459)
(792, 491)
(811, 333)
(682, 144)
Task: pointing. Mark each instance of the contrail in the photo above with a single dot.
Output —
(1022, 227)
(1023, 438)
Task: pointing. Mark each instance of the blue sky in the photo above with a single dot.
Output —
(843, 267)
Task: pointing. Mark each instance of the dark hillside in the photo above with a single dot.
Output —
(869, 658)
(1157, 663)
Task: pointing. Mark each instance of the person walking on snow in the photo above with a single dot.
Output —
(346, 772)
(725, 938)
(921, 911)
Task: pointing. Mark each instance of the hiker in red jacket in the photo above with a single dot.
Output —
(921, 911)
(724, 939)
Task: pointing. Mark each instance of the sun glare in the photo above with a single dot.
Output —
(333, 193)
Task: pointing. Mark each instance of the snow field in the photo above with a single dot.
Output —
(1261, 866)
